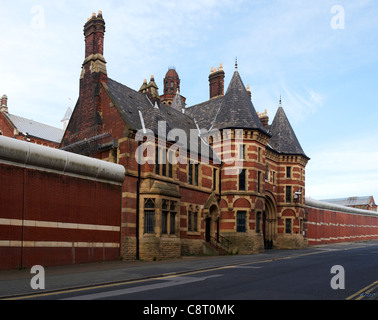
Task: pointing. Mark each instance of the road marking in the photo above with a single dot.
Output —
(169, 282)
(163, 277)
(364, 292)
(247, 267)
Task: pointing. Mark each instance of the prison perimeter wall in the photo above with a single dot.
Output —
(56, 208)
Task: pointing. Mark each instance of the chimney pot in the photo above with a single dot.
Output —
(4, 104)
(216, 80)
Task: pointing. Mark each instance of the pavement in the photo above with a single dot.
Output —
(18, 282)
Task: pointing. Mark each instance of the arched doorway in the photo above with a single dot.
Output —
(269, 223)
(211, 218)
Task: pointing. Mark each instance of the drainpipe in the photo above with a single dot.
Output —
(220, 196)
(220, 182)
(137, 204)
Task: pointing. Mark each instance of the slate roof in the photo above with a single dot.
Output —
(130, 102)
(352, 201)
(177, 103)
(36, 129)
(283, 138)
(233, 110)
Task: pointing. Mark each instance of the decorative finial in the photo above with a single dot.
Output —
(280, 101)
(236, 63)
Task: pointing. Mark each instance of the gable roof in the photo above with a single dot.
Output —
(353, 201)
(283, 138)
(177, 103)
(130, 102)
(36, 129)
(233, 110)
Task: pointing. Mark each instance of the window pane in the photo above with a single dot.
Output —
(149, 204)
(288, 194)
(288, 225)
(195, 221)
(157, 165)
(190, 222)
(170, 166)
(258, 222)
(172, 226)
(164, 222)
(164, 162)
(149, 221)
(241, 221)
(190, 173)
(288, 172)
(259, 182)
(196, 167)
(242, 180)
(215, 173)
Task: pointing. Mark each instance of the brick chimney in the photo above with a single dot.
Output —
(216, 80)
(87, 122)
(4, 104)
(94, 31)
(264, 118)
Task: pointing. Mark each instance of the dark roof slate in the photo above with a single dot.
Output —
(283, 138)
(129, 102)
(233, 110)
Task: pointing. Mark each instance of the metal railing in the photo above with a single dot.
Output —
(220, 242)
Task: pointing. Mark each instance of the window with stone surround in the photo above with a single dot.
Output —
(288, 225)
(288, 194)
(241, 221)
(149, 216)
(242, 180)
(193, 174)
(168, 219)
(163, 162)
(193, 212)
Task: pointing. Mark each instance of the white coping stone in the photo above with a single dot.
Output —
(335, 207)
(30, 154)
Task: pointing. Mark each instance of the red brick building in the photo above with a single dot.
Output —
(365, 203)
(26, 129)
(245, 194)
(172, 84)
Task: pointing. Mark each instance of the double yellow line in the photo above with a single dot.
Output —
(365, 292)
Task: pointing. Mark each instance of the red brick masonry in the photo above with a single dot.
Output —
(56, 208)
(329, 223)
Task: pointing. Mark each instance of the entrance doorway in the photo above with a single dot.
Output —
(208, 229)
(211, 218)
(269, 224)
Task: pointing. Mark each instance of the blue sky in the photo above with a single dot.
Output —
(327, 76)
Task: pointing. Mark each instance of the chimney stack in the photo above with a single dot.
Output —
(264, 118)
(249, 91)
(4, 104)
(94, 31)
(216, 80)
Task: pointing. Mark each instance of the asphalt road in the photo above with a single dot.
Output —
(295, 275)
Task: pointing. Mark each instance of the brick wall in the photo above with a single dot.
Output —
(328, 223)
(56, 216)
